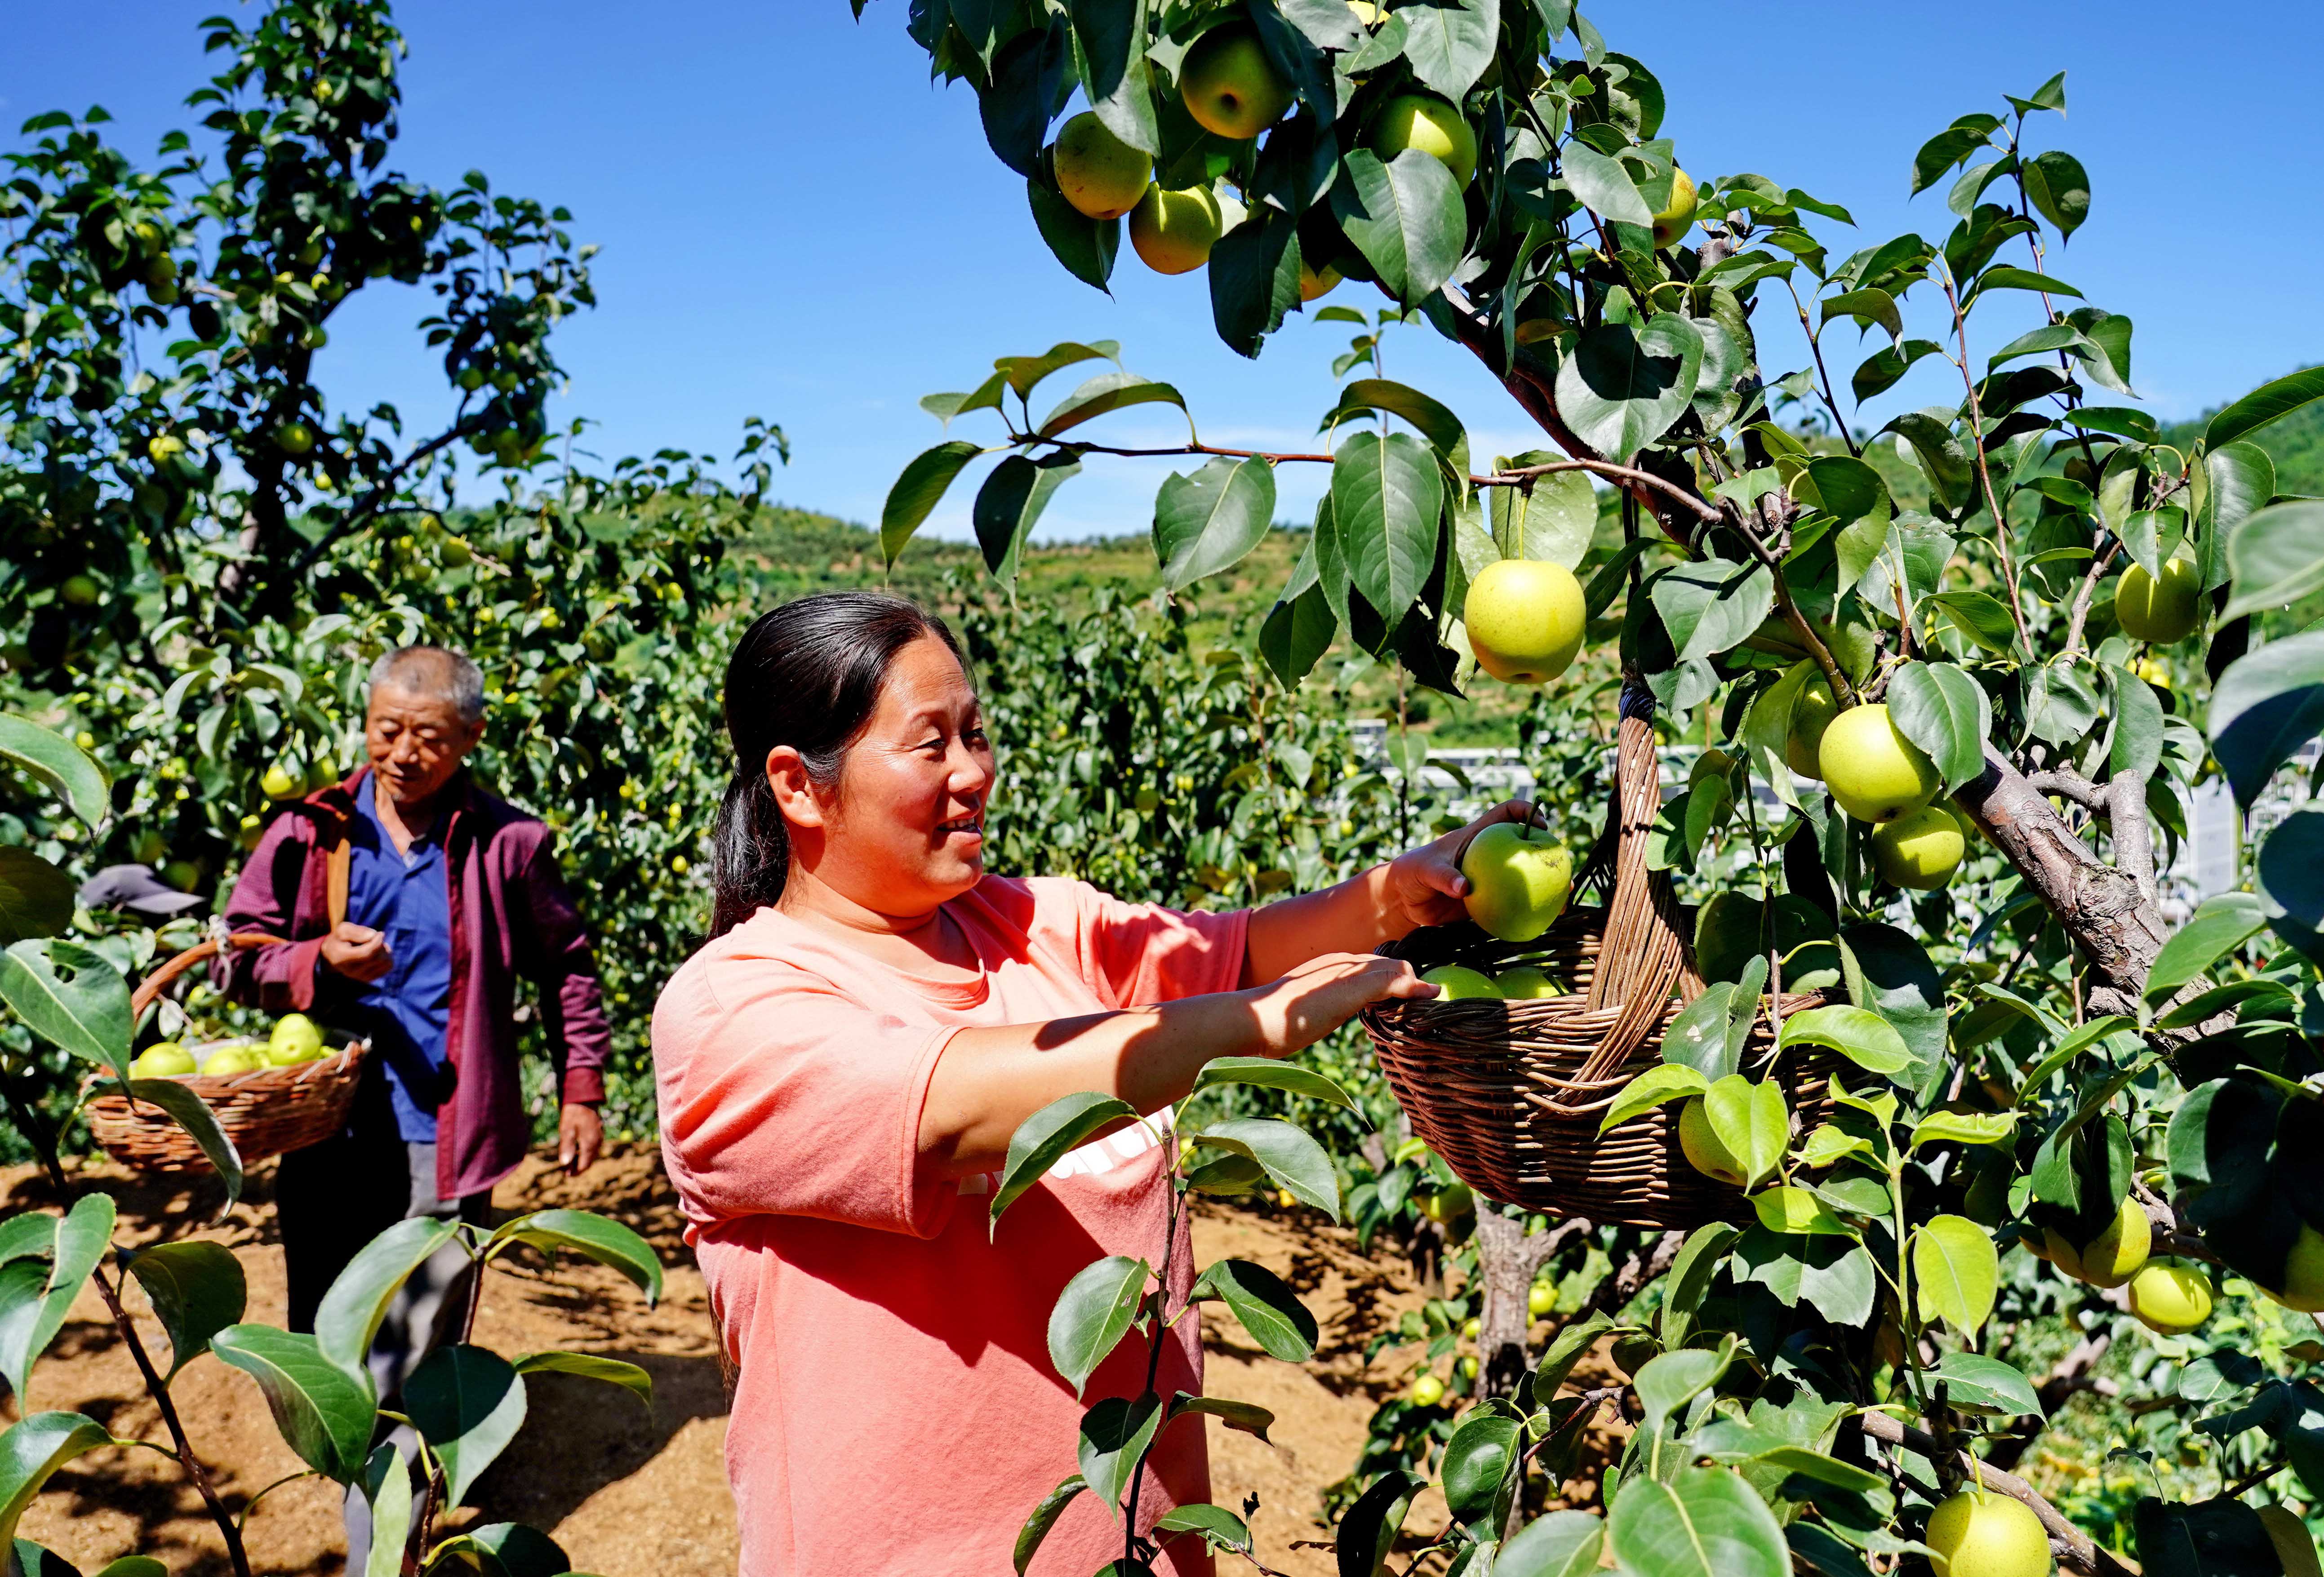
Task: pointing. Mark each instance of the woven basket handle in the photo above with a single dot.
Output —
(1642, 958)
(151, 986)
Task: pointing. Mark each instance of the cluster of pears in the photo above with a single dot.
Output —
(295, 1038)
(2168, 1297)
(1876, 775)
(1233, 90)
(1526, 982)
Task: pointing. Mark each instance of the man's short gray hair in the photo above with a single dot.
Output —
(434, 670)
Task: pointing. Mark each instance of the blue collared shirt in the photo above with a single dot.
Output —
(408, 898)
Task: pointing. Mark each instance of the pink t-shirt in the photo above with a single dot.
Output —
(897, 1410)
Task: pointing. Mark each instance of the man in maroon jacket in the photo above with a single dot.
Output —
(450, 896)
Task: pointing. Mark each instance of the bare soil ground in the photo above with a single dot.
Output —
(625, 1493)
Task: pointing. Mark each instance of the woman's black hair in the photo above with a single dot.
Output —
(806, 675)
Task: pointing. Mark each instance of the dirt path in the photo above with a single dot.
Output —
(626, 1494)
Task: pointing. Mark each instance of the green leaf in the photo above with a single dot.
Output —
(1094, 1314)
(71, 996)
(1206, 522)
(387, 1485)
(1450, 43)
(1868, 308)
(1296, 633)
(1858, 1034)
(1888, 971)
(1983, 618)
(1602, 184)
(614, 1371)
(2137, 745)
(36, 899)
(514, 1550)
(917, 492)
(197, 1289)
(190, 1113)
(1044, 1518)
(37, 1297)
(1110, 41)
(1952, 146)
(1484, 1447)
(357, 1301)
(592, 1236)
(1387, 503)
(69, 771)
(1265, 1072)
(1367, 1535)
(1670, 1381)
(1690, 1275)
(325, 1413)
(2276, 557)
(1625, 385)
(1042, 1138)
(1669, 1080)
(2243, 479)
(1219, 1528)
(2270, 402)
(1939, 707)
(2263, 708)
(1265, 1303)
(1944, 458)
(1115, 1435)
(1009, 504)
(2023, 279)
(1824, 1469)
(1885, 367)
(1565, 1350)
(467, 1403)
(1254, 275)
(1987, 1385)
(32, 1449)
(1957, 1271)
(1706, 1522)
(1556, 524)
(1712, 605)
(1106, 392)
(1848, 488)
(1967, 1128)
(123, 1567)
(1751, 1121)
(1797, 1210)
(1025, 373)
(1405, 216)
(1086, 247)
(1247, 1416)
(2222, 1538)
(1433, 421)
(1563, 1544)
(2217, 927)
(1293, 1159)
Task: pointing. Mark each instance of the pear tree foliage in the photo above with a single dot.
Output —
(2074, 622)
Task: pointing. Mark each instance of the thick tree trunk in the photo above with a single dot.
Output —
(1507, 1260)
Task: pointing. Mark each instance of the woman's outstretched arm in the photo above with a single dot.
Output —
(1422, 887)
(989, 1081)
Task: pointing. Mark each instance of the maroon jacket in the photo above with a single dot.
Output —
(510, 917)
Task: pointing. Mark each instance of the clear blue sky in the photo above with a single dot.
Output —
(796, 225)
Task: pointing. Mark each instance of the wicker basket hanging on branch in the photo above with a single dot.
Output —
(264, 1112)
(1511, 1094)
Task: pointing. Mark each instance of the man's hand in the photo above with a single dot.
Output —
(357, 951)
(580, 1135)
(1425, 885)
(1323, 993)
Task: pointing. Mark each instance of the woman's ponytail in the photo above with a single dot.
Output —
(806, 675)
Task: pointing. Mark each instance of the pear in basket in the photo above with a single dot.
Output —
(1519, 878)
(295, 1039)
(164, 1059)
(241, 1058)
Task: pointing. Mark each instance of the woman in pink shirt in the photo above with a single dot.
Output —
(848, 1055)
